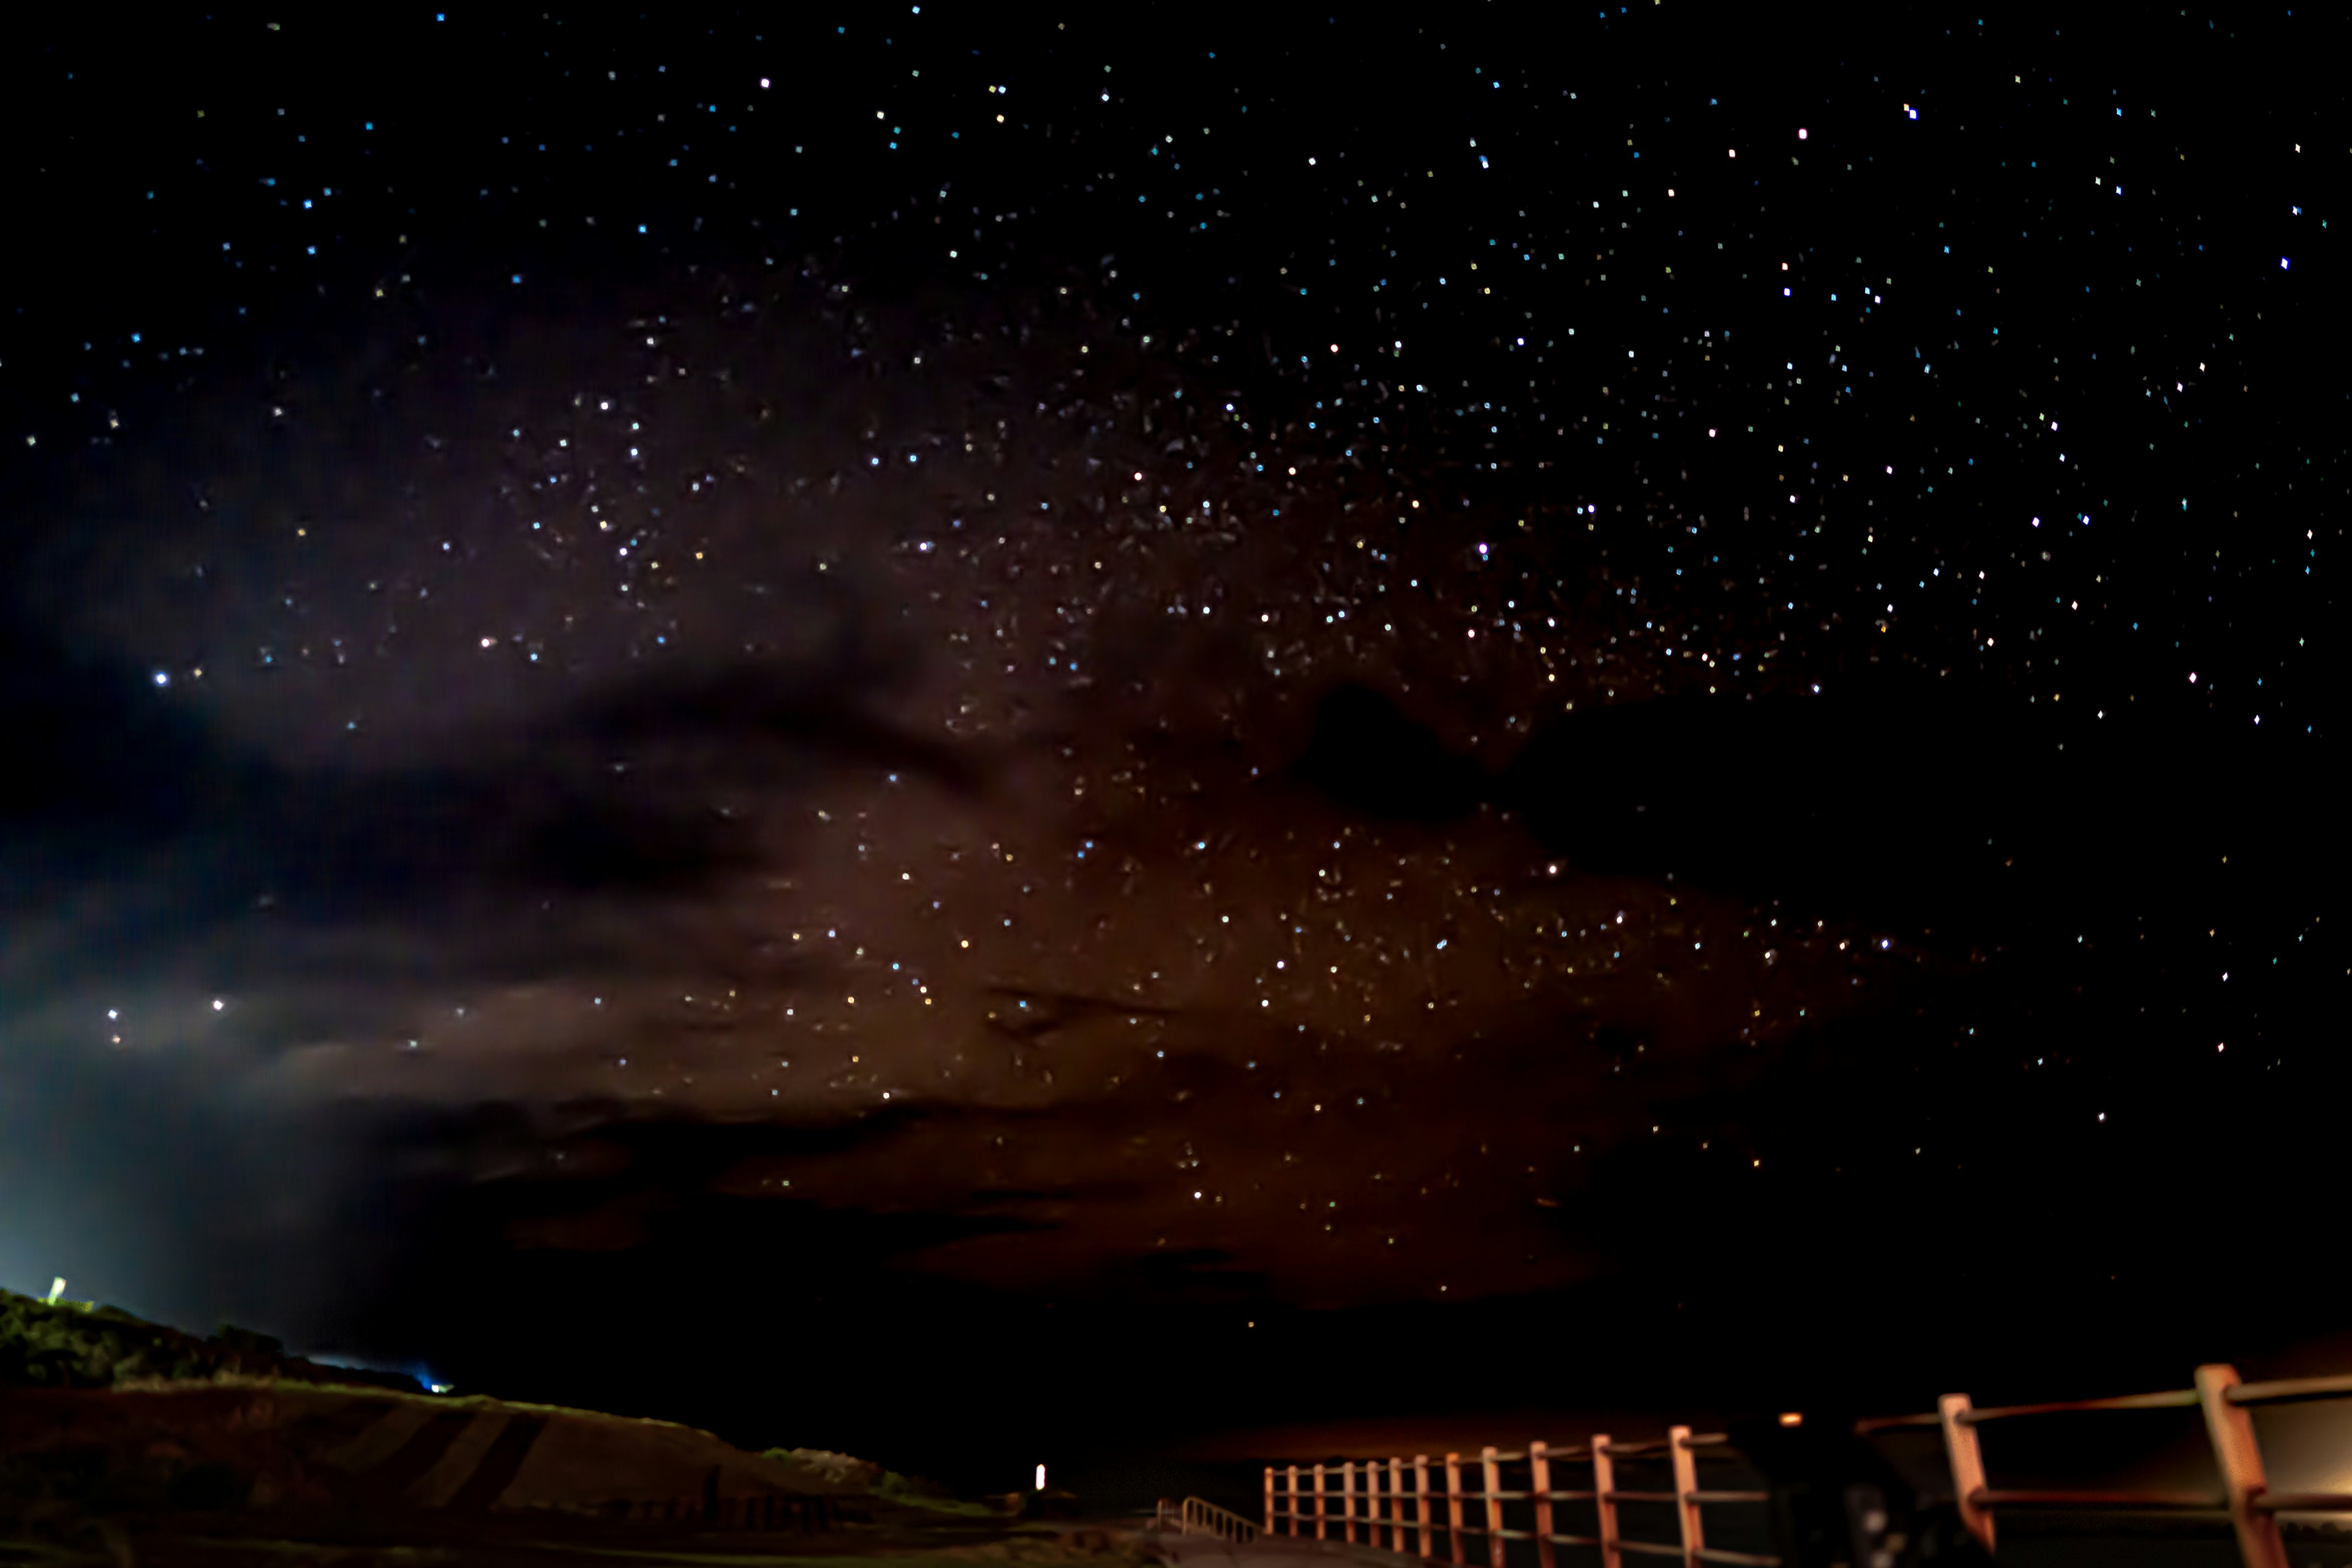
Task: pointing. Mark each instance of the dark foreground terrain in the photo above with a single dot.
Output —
(363, 1539)
(123, 1442)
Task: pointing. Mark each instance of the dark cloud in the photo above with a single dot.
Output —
(662, 786)
(98, 764)
(1030, 1017)
(1897, 802)
(1365, 752)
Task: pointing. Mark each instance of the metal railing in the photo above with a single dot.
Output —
(2227, 1405)
(1198, 1516)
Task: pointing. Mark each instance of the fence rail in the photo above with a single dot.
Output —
(1198, 1516)
(2226, 1403)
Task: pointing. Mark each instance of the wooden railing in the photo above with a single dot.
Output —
(2226, 1403)
(1198, 1516)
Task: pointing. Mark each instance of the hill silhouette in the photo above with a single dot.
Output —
(80, 1345)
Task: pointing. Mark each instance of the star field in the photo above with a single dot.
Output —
(1260, 668)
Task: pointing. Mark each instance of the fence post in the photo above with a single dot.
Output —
(1604, 1501)
(1420, 1494)
(1539, 1478)
(1348, 1498)
(1454, 1505)
(1269, 1500)
(1494, 1480)
(1384, 1503)
(1294, 1499)
(1320, 1527)
(1967, 1466)
(2231, 1429)
(1396, 1502)
(1686, 1482)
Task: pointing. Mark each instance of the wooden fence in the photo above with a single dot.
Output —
(2226, 1403)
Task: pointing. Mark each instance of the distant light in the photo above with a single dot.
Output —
(218, 1003)
(1792, 1419)
(1800, 133)
(163, 678)
(1041, 1477)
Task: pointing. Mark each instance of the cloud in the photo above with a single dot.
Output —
(487, 859)
(1364, 752)
(1898, 801)
(153, 861)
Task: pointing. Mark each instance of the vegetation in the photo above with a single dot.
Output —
(80, 1344)
(841, 1469)
(890, 1485)
(914, 1491)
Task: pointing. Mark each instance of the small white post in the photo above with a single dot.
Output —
(1968, 1468)
(1041, 1477)
(1685, 1464)
(2231, 1429)
(56, 1287)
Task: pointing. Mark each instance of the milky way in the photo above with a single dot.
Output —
(1241, 668)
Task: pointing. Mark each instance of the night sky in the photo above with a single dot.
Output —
(979, 738)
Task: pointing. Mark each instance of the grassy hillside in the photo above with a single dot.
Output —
(80, 1344)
